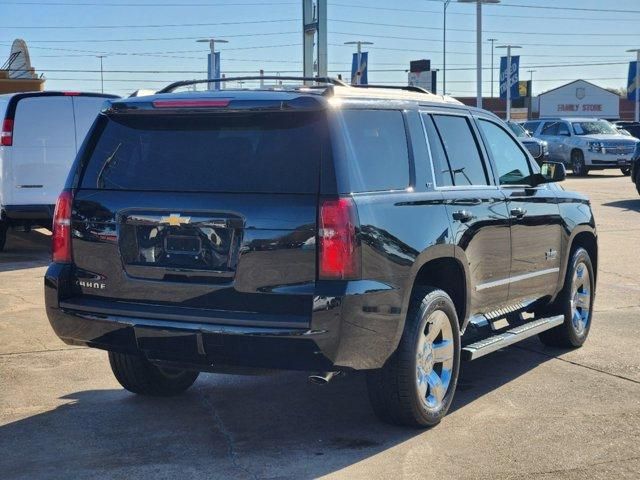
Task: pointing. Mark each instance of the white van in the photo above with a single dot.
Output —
(40, 135)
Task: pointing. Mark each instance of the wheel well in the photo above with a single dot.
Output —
(587, 240)
(577, 150)
(448, 275)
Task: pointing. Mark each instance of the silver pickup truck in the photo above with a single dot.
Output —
(585, 143)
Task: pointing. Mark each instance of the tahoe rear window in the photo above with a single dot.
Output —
(271, 152)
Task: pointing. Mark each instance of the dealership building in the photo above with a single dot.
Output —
(575, 99)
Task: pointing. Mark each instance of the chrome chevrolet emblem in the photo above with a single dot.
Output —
(175, 220)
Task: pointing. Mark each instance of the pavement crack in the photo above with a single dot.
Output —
(52, 350)
(548, 355)
(228, 436)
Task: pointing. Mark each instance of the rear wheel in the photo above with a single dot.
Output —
(3, 234)
(416, 385)
(138, 375)
(575, 302)
(577, 164)
(626, 171)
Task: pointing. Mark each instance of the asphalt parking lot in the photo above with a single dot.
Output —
(528, 411)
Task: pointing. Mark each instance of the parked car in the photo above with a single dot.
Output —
(585, 144)
(539, 149)
(40, 136)
(633, 128)
(635, 168)
(325, 229)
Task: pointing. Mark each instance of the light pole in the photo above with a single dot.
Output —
(213, 67)
(509, 47)
(479, 45)
(101, 73)
(637, 82)
(531, 72)
(356, 80)
(444, 46)
(493, 65)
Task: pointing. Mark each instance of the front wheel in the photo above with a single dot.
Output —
(575, 302)
(416, 385)
(139, 375)
(577, 164)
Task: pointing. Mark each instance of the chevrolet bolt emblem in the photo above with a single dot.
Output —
(175, 220)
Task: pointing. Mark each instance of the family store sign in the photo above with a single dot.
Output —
(579, 99)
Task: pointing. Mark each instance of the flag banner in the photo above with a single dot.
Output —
(631, 84)
(513, 76)
(359, 69)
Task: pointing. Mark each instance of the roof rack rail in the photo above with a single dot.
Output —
(409, 88)
(326, 80)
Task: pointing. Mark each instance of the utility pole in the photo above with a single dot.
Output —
(637, 83)
(509, 47)
(213, 70)
(444, 47)
(357, 79)
(101, 73)
(493, 65)
(479, 45)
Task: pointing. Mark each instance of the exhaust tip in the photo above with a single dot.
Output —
(322, 378)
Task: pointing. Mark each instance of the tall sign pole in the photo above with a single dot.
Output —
(636, 84)
(314, 38)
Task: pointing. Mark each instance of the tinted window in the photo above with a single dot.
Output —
(531, 126)
(563, 129)
(377, 150)
(461, 150)
(550, 128)
(511, 162)
(441, 169)
(258, 152)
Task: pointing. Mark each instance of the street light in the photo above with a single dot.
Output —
(493, 66)
(479, 45)
(101, 75)
(637, 82)
(444, 46)
(356, 80)
(508, 82)
(531, 72)
(213, 69)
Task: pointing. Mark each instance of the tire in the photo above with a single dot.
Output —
(394, 389)
(3, 235)
(577, 321)
(638, 183)
(138, 375)
(577, 164)
(626, 171)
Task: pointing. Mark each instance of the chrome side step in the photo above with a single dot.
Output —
(514, 335)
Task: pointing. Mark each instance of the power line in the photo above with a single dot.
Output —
(67, 27)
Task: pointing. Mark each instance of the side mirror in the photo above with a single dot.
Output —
(553, 172)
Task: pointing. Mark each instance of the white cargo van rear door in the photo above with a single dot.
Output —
(85, 109)
(44, 147)
(4, 155)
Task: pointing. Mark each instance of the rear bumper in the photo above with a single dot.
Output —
(38, 213)
(365, 341)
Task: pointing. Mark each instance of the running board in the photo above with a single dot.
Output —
(496, 342)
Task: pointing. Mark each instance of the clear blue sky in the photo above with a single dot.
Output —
(159, 35)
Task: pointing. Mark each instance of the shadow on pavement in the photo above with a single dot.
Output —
(25, 250)
(632, 205)
(275, 426)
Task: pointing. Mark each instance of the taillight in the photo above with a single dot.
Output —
(6, 135)
(61, 238)
(339, 252)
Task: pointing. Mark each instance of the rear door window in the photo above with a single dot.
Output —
(86, 110)
(270, 152)
(462, 151)
(378, 156)
(44, 122)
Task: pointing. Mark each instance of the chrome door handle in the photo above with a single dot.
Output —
(518, 212)
(462, 215)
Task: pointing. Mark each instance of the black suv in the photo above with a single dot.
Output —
(323, 228)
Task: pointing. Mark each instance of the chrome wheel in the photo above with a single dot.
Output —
(580, 298)
(434, 360)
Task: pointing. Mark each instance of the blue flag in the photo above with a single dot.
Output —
(514, 77)
(359, 69)
(631, 84)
